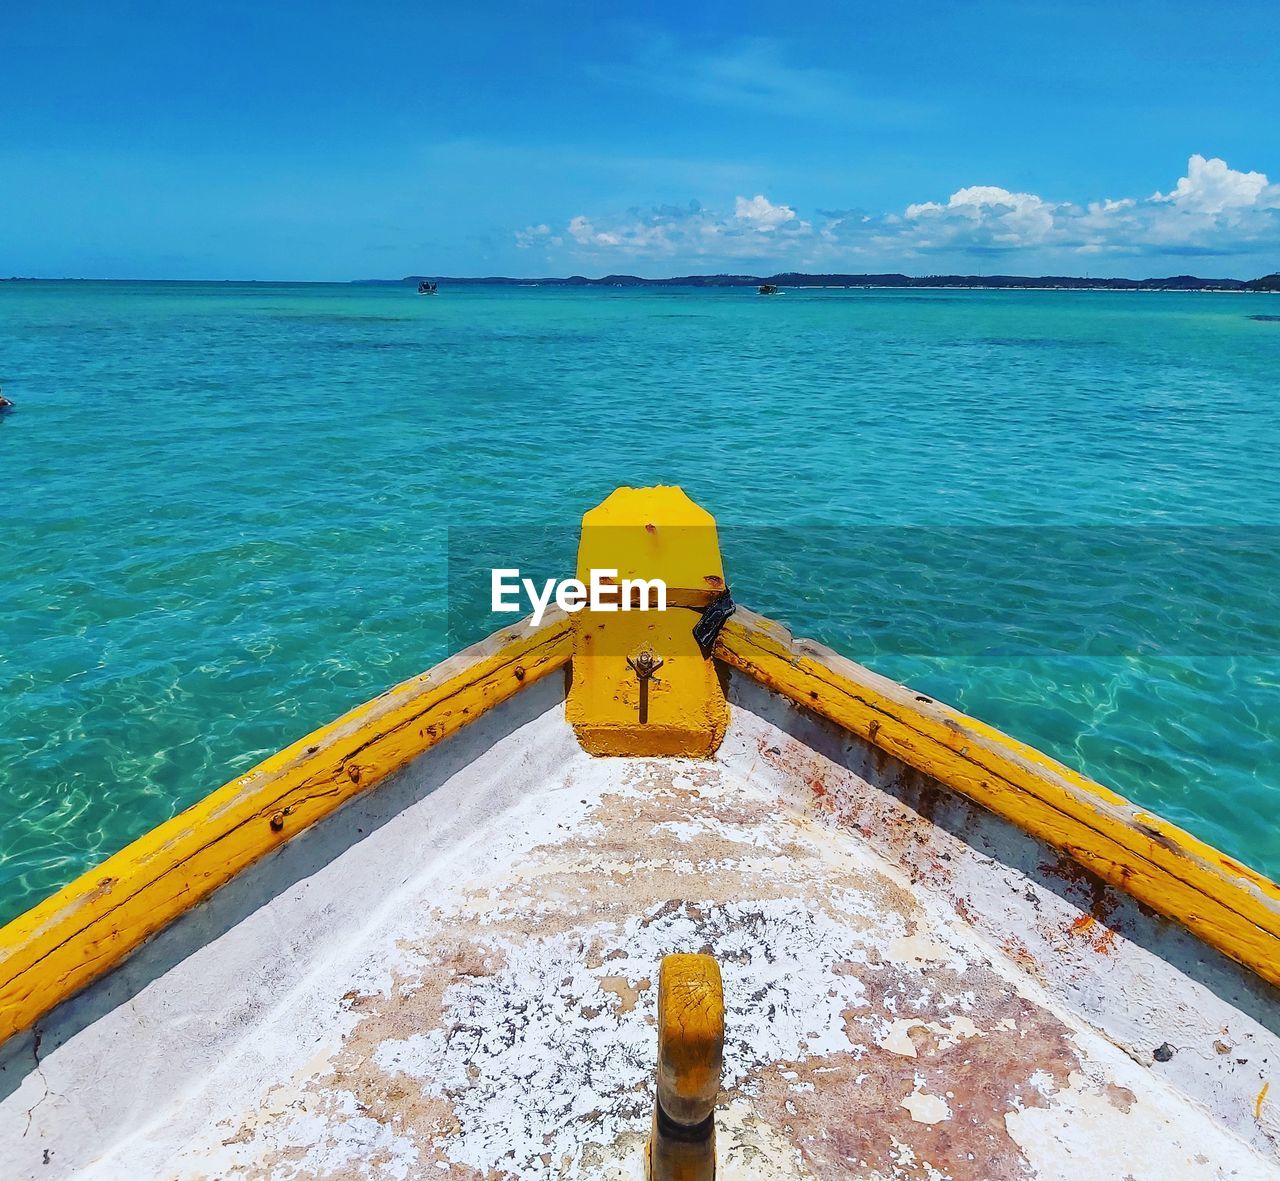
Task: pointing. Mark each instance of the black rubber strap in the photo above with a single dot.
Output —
(687, 1134)
(714, 615)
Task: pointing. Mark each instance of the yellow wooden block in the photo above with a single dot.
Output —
(640, 683)
(690, 1037)
(654, 533)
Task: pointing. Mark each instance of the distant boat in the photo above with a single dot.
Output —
(425, 288)
(769, 289)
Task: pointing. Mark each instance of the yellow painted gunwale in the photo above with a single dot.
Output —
(81, 932)
(1225, 903)
(86, 928)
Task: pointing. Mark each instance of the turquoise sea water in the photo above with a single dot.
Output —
(229, 513)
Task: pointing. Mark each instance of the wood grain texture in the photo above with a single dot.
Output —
(92, 924)
(690, 1036)
(1227, 905)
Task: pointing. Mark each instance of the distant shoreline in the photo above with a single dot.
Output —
(793, 280)
(797, 279)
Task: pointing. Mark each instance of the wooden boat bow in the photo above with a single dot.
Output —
(428, 935)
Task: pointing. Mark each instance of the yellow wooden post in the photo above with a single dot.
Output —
(682, 1145)
(641, 685)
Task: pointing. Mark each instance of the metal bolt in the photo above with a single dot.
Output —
(645, 664)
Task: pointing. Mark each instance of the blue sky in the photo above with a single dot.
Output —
(340, 140)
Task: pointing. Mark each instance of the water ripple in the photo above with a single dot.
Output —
(231, 513)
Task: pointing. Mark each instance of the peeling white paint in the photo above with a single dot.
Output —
(579, 1064)
(1138, 979)
(1155, 1139)
(896, 1037)
(926, 1109)
(465, 989)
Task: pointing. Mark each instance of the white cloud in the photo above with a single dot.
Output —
(656, 233)
(1210, 186)
(584, 233)
(1212, 210)
(533, 235)
(667, 231)
(761, 214)
(996, 215)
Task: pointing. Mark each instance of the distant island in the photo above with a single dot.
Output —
(797, 279)
(794, 279)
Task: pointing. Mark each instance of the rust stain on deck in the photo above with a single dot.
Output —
(858, 1032)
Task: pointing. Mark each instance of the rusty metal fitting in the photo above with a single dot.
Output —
(645, 664)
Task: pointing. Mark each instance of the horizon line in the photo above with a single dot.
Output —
(736, 277)
(732, 278)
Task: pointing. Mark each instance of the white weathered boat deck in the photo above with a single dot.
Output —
(456, 977)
